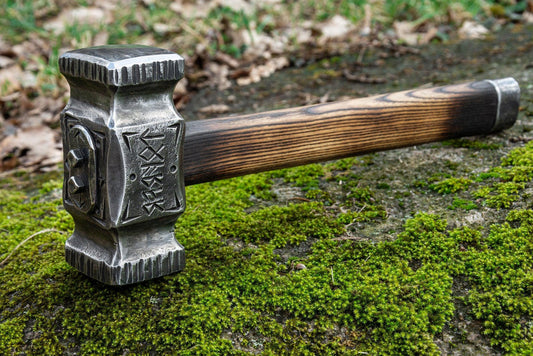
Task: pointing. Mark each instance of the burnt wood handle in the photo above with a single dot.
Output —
(232, 146)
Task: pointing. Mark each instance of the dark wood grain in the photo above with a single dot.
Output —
(233, 146)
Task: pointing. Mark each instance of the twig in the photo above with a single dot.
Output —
(26, 240)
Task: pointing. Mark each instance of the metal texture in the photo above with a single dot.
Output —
(508, 92)
(123, 144)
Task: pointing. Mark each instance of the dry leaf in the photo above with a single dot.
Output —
(35, 148)
(336, 27)
(45, 110)
(299, 35)
(408, 33)
(78, 16)
(472, 30)
(218, 75)
(527, 17)
(227, 59)
(164, 29)
(263, 71)
(299, 266)
(6, 61)
(10, 79)
(181, 88)
(29, 50)
(259, 45)
(215, 109)
(192, 10)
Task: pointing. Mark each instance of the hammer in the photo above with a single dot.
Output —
(129, 154)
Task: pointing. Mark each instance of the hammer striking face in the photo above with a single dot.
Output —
(127, 157)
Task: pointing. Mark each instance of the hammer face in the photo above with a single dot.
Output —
(122, 141)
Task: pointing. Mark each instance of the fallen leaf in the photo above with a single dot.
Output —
(409, 33)
(78, 16)
(227, 59)
(31, 49)
(263, 71)
(299, 266)
(165, 29)
(215, 109)
(192, 9)
(10, 79)
(405, 31)
(35, 147)
(218, 75)
(472, 30)
(299, 35)
(44, 110)
(6, 61)
(259, 45)
(336, 27)
(181, 88)
(527, 17)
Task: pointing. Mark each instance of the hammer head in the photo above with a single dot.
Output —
(123, 144)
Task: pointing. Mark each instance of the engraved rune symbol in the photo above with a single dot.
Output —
(151, 154)
(153, 200)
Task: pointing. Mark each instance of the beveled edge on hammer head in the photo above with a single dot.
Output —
(123, 65)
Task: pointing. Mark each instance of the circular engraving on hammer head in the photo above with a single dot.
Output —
(122, 65)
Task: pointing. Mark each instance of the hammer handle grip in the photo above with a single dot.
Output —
(232, 146)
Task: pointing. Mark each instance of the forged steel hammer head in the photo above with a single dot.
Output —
(123, 144)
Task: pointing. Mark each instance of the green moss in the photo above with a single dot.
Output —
(451, 185)
(472, 143)
(463, 204)
(241, 293)
(306, 177)
(282, 225)
(11, 333)
(501, 270)
(390, 297)
(506, 182)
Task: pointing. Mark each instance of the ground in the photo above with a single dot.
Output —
(422, 250)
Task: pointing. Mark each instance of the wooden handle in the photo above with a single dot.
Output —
(233, 146)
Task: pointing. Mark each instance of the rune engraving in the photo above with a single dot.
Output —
(152, 170)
